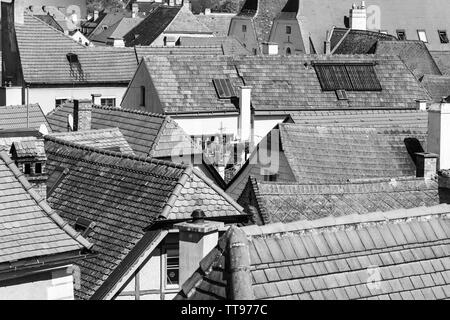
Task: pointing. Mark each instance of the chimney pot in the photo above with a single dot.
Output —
(198, 216)
(358, 17)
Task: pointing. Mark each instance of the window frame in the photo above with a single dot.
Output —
(401, 31)
(108, 98)
(444, 32)
(64, 100)
(244, 28)
(167, 249)
(424, 33)
(142, 96)
(288, 29)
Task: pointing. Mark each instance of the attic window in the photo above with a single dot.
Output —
(72, 58)
(349, 77)
(401, 34)
(84, 225)
(224, 88)
(443, 36)
(341, 95)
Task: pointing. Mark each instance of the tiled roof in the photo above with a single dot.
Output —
(164, 19)
(117, 30)
(218, 23)
(351, 41)
(110, 139)
(325, 154)
(9, 137)
(195, 49)
(28, 148)
(15, 117)
(442, 59)
(29, 228)
(45, 61)
(229, 45)
(437, 86)
(184, 83)
(414, 54)
(381, 119)
(288, 202)
(123, 194)
(397, 255)
(107, 19)
(146, 133)
(48, 19)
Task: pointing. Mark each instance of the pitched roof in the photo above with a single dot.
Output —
(218, 23)
(383, 120)
(106, 19)
(45, 61)
(325, 154)
(437, 86)
(229, 45)
(414, 54)
(400, 254)
(288, 202)
(123, 194)
(146, 133)
(185, 83)
(29, 228)
(164, 19)
(117, 30)
(442, 59)
(109, 138)
(351, 41)
(28, 149)
(8, 137)
(15, 117)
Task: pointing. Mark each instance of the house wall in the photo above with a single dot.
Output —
(56, 284)
(149, 281)
(256, 169)
(248, 38)
(46, 96)
(132, 96)
(294, 41)
(160, 40)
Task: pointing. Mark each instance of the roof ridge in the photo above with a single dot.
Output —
(108, 129)
(126, 110)
(353, 219)
(115, 154)
(348, 182)
(42, 203)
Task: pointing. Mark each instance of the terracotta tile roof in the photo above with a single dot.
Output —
(288, 202)
(218, 23)
(229, 45)
(164, 19)
(185, 83)
(383, 120)
(437, 86)
(110, 139)
(29, 228)
(414, 54)
(146, 133)
(351, 41)
(332, 259)
(123, 194)
(325, 154)
(15, 117)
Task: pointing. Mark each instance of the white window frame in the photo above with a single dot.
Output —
(106, 97)
(424, 34)
(166, 253)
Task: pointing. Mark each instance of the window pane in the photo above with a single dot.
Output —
(38, 168)
(401, 35)
(108, 102)
(422, 35)
(172, 270)
(288, 29)
(443, 36)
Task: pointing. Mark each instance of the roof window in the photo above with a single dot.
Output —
(401, 35)
(443, 36)
(224, 88)
(72, 58)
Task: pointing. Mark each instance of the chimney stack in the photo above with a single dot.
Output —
(421, 105)
(245, 113)
(270, 48)
(96, 15)
(82, 115)
(439, 133)
(426, 164)
(197, 239)
(134, 10)
(358, 17)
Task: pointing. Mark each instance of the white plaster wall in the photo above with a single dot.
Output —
(54, 285)
(208, 125)
(248, 39)
(46, 96)
(264, 124)
(284, 40)
(160, 40)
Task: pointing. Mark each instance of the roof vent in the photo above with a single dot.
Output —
(72, 58)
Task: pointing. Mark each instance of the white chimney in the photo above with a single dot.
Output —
(134, 10)
(439, 133)
(245, 113)
(270, 48)
(207, 11)
(95, 15)
(421, 105)
(358, 17)
(197, 239)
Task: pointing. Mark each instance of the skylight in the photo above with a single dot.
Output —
(224, 88)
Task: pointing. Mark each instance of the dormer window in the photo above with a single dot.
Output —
(27, 168)
(224, 88)
(443, 36)
(38, 168)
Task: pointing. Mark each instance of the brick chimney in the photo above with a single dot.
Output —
(358, 17)
(426, 164)
(270, 48)
(438, 141)
(82, 115)
(197, 238)
(245, 113)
